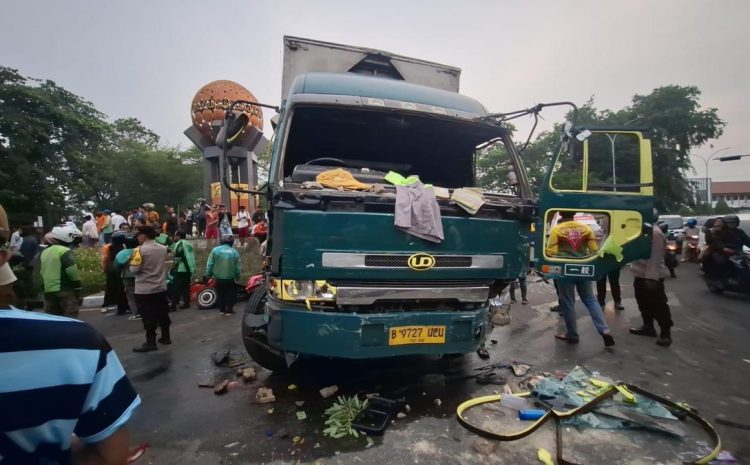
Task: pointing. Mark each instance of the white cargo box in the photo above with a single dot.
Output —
(306, 55)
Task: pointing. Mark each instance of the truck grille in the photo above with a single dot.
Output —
(401, 261)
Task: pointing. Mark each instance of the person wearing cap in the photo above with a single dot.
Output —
(60, 275)
(224, 265)
(77, 412)
(148, 266)
(151, 215)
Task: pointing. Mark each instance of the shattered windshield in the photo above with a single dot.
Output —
(440, 151)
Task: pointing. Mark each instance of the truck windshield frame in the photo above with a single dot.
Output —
(439, 148)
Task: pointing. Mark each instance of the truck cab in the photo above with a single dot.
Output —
(343, 280)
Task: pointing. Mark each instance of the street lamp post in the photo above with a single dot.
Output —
(708, 180)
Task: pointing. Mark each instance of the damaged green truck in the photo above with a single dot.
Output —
(342, 280)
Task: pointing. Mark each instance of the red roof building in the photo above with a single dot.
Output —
(735, 193)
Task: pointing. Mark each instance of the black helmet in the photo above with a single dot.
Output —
(227, 239)
(119, 237)
(731, 220)
(663, 226)
(131, 240)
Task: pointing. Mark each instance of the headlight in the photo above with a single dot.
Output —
(299, 290)
(303, 290)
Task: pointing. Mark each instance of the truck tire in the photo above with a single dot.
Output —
(207, 298)
(256, 339)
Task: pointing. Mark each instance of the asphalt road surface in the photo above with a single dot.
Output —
(708, 366)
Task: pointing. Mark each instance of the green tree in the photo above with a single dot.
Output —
(59, 153)
(47, 138)
(679, 126)
(722, 208)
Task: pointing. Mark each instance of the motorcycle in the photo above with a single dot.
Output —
(206, 296)
(670, 257)
(690, 248)
(737, 279)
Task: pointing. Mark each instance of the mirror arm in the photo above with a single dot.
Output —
(257, 104)
(225, 159)
(225, 178)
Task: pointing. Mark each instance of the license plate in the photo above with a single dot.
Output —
(401, 335)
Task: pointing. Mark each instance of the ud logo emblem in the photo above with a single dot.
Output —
(421, 261)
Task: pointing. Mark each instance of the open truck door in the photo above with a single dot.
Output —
(603, 176)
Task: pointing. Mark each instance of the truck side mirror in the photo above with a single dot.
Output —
(234, 127)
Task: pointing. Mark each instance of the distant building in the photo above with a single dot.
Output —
(702, 189)
(735, 193)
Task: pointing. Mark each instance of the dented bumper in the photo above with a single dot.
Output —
(293, 328)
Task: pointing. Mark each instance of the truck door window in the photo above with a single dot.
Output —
(567, 173)
(575, 234)
(614, 163)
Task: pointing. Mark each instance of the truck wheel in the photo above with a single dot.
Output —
(207, 298)
(256, 338)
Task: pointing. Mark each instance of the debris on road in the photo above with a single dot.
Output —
(377, 416)
(301, 415)
(606, 405)
(264, 396)
(299, 403)
(400, 415)
(437, 402)
(206, 384)
(138, 452)
(370, 442)
(484, 446)
(328, 391)
(341, 416)
(545, 457)
(248, 374)
(226, 359)
(232, 444)
(520, 369)
(233, 385)
(221, 388)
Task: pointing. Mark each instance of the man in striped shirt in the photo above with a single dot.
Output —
(64, 396)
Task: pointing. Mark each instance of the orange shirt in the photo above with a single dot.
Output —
(101, 221)
(153, 217)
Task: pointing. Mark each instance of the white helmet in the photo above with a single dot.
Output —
(65, 233)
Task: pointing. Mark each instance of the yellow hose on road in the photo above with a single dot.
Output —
(585, 408)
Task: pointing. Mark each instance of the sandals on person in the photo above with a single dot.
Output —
(569, 340)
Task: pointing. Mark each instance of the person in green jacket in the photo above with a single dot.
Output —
(62, 281)
(224, 265)
(182, 270)
(121, 266)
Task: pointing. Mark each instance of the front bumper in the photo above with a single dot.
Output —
(292, 328)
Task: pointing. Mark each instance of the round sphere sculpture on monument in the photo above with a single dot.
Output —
(212, 100)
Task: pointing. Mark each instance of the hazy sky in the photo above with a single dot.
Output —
(148, 58)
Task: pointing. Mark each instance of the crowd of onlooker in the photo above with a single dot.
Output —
(200, 220)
